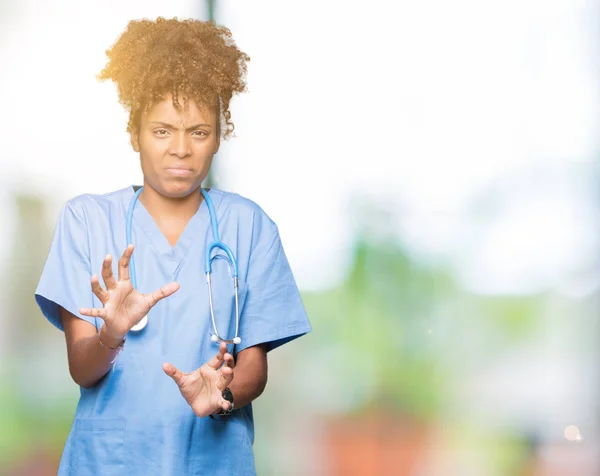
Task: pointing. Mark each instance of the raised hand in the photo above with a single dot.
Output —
(203, 388)
(123, 306)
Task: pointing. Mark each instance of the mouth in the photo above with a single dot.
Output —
(180, 171)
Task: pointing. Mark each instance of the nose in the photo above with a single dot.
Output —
(180, 145)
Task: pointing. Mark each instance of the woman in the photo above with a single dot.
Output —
(176, 78)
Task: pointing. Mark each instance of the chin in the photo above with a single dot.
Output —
(178, 189)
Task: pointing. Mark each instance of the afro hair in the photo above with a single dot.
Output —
(189, 59)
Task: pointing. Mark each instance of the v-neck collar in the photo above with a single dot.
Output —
(193, 230)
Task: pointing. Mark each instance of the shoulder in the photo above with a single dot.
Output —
(245, 211)
(91, 203)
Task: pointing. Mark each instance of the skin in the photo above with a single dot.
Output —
(176, 148)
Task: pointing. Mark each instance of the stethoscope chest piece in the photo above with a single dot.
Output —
(140, 325)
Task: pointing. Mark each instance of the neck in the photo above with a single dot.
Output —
(161, 207)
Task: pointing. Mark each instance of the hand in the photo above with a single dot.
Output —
(203, 388)
(123, 307)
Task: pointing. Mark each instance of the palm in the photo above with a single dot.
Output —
(123, 306)
(203, 388)
(200, 390)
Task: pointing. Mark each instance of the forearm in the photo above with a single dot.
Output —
(250, 376)
(89, 360)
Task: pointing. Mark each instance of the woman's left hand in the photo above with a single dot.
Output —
(203, 388)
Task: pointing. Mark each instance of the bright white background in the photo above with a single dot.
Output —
(422, 106)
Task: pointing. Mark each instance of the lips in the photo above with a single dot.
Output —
(180, 171)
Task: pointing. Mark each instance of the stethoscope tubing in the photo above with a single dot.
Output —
(218, 244)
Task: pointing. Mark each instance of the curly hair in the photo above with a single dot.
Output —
(190, 59)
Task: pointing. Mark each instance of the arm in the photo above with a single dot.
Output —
(250, 375)
(89, 361)
(90, 354)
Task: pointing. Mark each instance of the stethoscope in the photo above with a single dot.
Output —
(216, 337)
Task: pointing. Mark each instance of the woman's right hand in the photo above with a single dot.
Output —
(123, 307)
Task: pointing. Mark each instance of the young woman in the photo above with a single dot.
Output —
(132, 338)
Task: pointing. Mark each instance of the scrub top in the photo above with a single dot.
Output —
(134, 420)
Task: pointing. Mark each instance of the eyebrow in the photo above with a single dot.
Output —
(171, 126)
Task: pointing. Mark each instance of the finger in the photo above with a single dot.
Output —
(93, 312)
(225, 404)
(107, 274)
(161, 293)
(173, 372)
(225, 378)
(124, 263)
(98, 290)
(217, 360)
(229, 360)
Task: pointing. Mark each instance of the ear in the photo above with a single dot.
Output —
(217, 144)
(135, 139)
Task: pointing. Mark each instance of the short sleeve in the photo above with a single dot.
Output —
(65, 279)
(273, 312)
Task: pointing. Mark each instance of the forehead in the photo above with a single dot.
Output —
(186, 114)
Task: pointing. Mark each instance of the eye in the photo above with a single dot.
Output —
(199, 133)
(161, 132)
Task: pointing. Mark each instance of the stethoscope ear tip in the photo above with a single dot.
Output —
(235, 340)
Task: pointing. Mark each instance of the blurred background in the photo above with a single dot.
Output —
(433, 168)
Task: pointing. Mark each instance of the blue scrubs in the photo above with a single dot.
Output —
(135, 421)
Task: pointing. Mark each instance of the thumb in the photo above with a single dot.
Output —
(174, 373)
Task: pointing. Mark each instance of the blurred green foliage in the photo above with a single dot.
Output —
(394, 322)
(28, 428)
(386, 335)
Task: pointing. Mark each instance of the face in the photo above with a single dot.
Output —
(176, 146)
